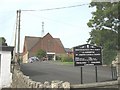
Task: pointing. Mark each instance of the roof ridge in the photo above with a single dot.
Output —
(47, 34)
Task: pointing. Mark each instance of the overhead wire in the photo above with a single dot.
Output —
(54, 20)
(65, 7)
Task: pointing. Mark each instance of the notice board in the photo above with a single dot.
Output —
(87, 54)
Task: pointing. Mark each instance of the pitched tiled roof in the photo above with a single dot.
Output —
(59, 42)
(31, 41)
(68, 50)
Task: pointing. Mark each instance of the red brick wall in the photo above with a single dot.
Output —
(49, 44)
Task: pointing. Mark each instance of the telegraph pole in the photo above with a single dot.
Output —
(14, 54)
(14, 61)
(18, 48)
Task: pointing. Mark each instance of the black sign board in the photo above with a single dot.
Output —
(87, 54)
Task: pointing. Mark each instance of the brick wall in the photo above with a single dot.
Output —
(22, 81)
(49, 44)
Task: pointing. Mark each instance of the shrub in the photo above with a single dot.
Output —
(66, 59)
(58, 57)
(41, 53)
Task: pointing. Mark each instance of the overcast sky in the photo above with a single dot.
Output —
(69, 24)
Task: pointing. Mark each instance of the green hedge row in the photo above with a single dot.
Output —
(65, 58)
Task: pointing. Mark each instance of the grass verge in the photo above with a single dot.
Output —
(68, 63)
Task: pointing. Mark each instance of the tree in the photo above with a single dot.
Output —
(3, 41)
(41, 53)
(104, 24)
(105, 16)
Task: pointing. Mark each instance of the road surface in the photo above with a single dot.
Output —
(49, 71)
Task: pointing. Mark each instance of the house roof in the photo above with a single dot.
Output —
(68, 50)
(6, 48)
(31, 41)
(58, 41)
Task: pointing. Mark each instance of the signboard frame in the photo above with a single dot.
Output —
(87, 54)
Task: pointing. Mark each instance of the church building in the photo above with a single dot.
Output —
(52, 46)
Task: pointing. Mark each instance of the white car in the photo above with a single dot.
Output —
(33, 59)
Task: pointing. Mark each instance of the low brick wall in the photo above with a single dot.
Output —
(22, 81)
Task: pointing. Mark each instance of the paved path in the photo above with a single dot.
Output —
(47, 70)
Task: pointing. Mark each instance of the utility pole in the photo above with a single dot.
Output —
(16, 59)
(18, 48)
(13, 62)
(14, 54)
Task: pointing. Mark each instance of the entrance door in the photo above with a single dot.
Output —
(50, 56)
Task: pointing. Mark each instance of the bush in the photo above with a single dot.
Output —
(66, 59)
(41, 53)
(58, 58)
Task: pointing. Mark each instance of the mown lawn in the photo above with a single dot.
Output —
(68, 63)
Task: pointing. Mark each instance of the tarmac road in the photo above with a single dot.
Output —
(49, 71)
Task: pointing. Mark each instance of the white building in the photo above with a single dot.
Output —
(5, 64)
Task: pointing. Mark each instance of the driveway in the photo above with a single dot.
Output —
(49, 71)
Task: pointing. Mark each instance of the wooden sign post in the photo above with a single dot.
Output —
(87, 54)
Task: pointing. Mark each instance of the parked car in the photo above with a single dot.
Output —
(33, 59)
